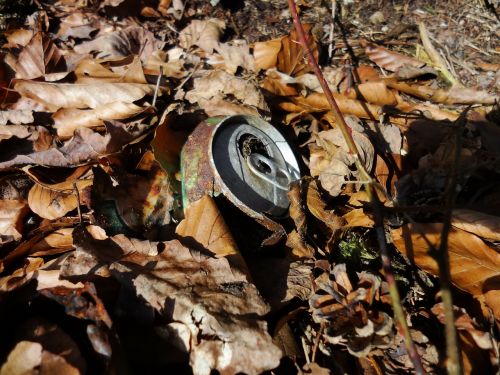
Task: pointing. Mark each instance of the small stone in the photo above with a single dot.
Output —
(377, 17)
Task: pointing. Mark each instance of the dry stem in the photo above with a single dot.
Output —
(368, 182)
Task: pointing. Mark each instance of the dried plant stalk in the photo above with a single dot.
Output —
(368, 183)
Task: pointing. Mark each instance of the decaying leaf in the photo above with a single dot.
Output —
(266, 53)
(291, 59)
(56, 200)
(204, 34)
(12, 213)
(63, 95)
(474, 266)
(215, 312)
(390, 60)
(215, 237)
(348, 313)
(38, 58)
(216, 85)
(67, 120)
(330, 159)
(22, 116)
(454, 95)
(134, 40)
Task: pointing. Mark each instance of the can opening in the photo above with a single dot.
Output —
(249, 144)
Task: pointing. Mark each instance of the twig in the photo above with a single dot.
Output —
(316, 342)
(75, 188)
(453, 363)
(435, 56)
(157, 88)
(368, 182)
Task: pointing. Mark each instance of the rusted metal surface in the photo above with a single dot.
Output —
(196, 172)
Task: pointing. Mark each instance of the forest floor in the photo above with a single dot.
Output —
(126, 249)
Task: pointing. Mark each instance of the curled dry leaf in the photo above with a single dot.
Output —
(330, 159)
(12, 213)
(54, 201)
(266, 53)
(204, 34)
(390, 60)
(85, 146)
(215, 237)
(214, 86)
(317, 207)
(67, 120)
(63, 95)
(231, 56)
(38, 58)
(454, 95)
(474, 266)
(133, 40)
(291, 58)
(21, 276)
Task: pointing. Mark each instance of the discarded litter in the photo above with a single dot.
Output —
(243, 157)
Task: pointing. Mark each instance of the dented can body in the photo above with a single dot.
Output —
(244, 158)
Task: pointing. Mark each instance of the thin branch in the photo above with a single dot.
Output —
(368, 183)
(453, 363)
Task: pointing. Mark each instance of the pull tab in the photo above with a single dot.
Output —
(255, 163)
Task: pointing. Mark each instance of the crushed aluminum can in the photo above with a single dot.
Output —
(244, 158)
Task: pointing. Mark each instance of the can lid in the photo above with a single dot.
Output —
(255, 164)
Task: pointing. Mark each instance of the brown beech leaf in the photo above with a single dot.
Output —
(55, 200)
(318, 102)
(12, 213)
(266, 53)
(478, 223)
(231, 56)
(202, 33)
(390, 60)
(454, 95)
(474, 266)
(85, 146)
(204, 223)
(317, 207)
(215, 314)
(299, 248)
(67, 120)
(291, 58)
(38, 58)
(65, 95)
(133, 40)
(214, 86)
(59, 241)
(20, 37)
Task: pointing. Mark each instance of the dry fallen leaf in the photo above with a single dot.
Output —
(67, 120)
(291, 58)
(215, 312)
(390, 60)
(65, 95)
(478, 223)
(22, 116)
(38, 58)
(56, 200)
(12, 213)
(202, 33)
(474, 266)
(454, 95)
(133, 40)
(266, 53)
(215, 85)
(216, 236)
(231, 56)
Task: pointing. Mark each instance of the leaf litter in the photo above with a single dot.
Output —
(102, 268)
